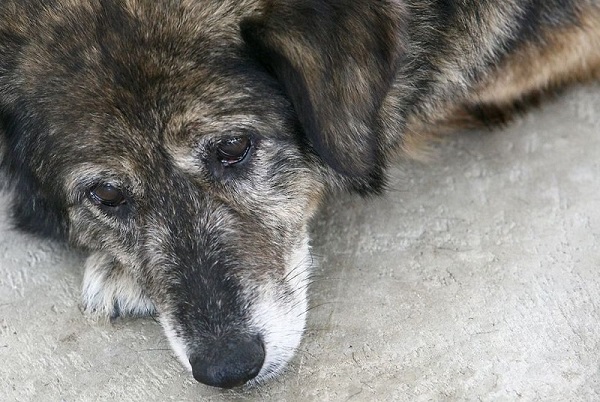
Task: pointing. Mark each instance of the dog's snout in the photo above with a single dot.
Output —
(229, 363)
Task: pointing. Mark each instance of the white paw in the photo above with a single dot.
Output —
(109, 290)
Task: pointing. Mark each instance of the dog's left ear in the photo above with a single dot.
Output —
(336, 60)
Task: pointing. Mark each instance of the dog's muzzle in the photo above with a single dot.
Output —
(228, 363)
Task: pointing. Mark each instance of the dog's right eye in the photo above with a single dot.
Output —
(107, 195)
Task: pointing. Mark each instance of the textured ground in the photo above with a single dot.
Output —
(477, 276)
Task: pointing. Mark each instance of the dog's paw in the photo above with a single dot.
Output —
(109, 290)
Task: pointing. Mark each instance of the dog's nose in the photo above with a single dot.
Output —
(229, 363)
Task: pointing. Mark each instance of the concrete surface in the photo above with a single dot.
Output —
(476, 277)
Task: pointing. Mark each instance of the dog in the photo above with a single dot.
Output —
(187, 144)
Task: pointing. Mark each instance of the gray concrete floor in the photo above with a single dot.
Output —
(476, 277)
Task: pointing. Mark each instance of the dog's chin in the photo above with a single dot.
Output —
(277, 314)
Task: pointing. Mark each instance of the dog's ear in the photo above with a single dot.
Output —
(336, 60)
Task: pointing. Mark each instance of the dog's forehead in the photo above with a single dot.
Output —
(163, 77)
(130, 49)
(129, 85)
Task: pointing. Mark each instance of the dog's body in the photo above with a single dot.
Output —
(187, 143)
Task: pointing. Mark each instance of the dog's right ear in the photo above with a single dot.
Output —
(336, 60)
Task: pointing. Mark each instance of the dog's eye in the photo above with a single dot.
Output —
(107, 195)
(233, 150)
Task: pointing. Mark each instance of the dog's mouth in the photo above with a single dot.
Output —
(255, 348)
(246, 358)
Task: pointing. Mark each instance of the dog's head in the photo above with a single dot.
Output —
(191, 142)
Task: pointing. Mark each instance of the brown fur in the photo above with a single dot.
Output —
(187, 144)
(521, 80)
(564, 56)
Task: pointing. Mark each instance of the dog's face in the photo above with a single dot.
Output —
(153, 136)
(206, 203)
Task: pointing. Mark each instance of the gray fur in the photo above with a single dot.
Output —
(136, 98)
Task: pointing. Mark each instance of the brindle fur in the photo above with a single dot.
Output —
(137, 93)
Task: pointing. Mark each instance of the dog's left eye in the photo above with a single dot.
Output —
(107, 195)
(233, 150)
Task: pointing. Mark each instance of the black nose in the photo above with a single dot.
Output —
(229, 363)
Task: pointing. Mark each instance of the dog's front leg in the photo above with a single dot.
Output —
(110, 290)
